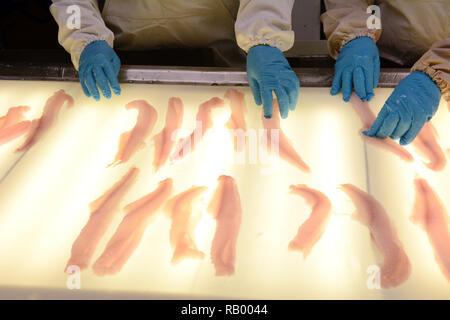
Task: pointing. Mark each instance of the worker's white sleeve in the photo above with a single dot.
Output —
(264, 22)
(91, 28)
(436, 63)
(345, 20)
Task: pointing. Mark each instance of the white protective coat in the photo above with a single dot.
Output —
(145, 24)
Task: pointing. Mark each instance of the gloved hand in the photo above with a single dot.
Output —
(413, 103)
(99, 65)
(358, 66)
(267, 70)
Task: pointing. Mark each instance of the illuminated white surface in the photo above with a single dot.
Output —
(44, 199)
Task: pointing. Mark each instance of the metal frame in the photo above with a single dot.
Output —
(309, 77)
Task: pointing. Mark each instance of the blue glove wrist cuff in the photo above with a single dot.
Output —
(430, 88)
(94, 46)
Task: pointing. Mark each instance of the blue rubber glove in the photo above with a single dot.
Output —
(358, 66)
(414, 101)
(267, 71)
(99, 66)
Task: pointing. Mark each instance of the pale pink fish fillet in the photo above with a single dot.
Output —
(132, 141)
(313, 228)
(225, 207)
(184, 221)
(14, 131)
(188, 144)
(165, 140)
(13, 116)
(50, 114)
(12, 126)
(237, 121)
(426, 144)
(430, 214)
(395, 268)
(103, 211)
(367, 118)
(285, 149)
(139, 214)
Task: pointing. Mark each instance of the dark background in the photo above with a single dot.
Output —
(28, 24)
(29, 34)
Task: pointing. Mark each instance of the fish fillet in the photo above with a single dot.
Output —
(12, 124)
(367, 118)
(313, 228)
(50, 114)
(203, 124)
(225, 207)
(184, 222)
(285, 149)
(237, 121)
(131, 141)
(12, 132)
(165, 140)
(103, 210)
(430, 214)
(426, 144)
(395, 268)
(13, 116)
(129, 233)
